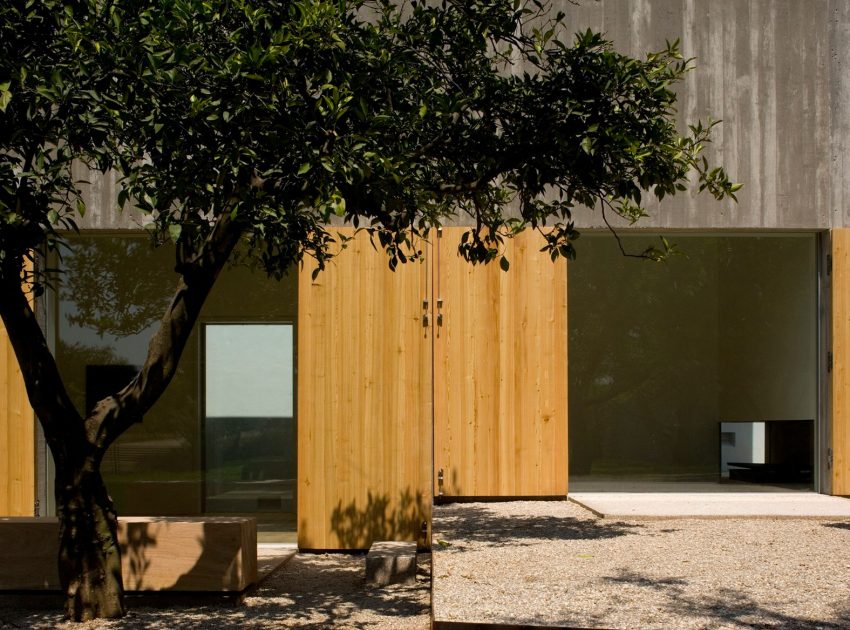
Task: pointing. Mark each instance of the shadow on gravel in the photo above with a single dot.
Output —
(319, 589)
(310, 591)
(473, 523)
(658, 584)
(732, 606)
(728, 607)
(841, 525)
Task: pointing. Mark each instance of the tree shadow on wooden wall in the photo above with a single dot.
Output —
(135, 554)
(217, 567)
(205, 561)
(381, 518)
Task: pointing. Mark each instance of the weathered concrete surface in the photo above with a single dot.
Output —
(391, 563)
(100, 194)
(773, 70)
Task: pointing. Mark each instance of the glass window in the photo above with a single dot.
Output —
(660, 354)
(250, 460)
(111, 299)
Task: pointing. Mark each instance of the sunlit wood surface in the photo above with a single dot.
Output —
(364, 402)
(500, 372)
(17, 437)
(841, 361)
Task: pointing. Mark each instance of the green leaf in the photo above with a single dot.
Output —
(305, 168)
(5, 95)
(174, 231)
(504, 264)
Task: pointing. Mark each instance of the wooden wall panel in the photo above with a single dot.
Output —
(17, 437)
(364, 402)
(840, 385)
(500, 373)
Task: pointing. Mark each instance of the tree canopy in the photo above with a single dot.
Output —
(392, 115)
(259, 121)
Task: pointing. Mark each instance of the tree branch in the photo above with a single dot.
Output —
(613, 230)
(59, 418)
(114, 415)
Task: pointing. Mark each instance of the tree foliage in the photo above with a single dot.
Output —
(260, 121)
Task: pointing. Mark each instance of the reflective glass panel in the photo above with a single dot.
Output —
(110, 301)
(250, 430)
(660, 354)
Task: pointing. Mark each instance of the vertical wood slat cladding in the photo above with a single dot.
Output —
(364, 402)
(500, 372)
(840, 385)
(17, 437)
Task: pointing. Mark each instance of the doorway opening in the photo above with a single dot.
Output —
(699, 373)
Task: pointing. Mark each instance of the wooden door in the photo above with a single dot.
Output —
(17, 436)
(500, 373)
(839, 430)
(364, 401)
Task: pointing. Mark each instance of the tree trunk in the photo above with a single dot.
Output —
(89, 556)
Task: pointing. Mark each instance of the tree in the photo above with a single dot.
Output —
(257, 121)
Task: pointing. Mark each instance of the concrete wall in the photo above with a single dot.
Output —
(772, 70)
(100, 192)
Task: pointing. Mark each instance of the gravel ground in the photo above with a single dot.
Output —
(555, 563)
(310, 591)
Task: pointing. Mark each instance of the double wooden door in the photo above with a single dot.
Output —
(441, 377)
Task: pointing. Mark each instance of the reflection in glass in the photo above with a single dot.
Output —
(109, 303)
(250, 432)
(660, 354)
(776, 451)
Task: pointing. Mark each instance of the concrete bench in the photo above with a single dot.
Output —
(157, 553)
(391, 563)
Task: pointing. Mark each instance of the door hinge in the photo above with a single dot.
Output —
(440, 483)
(439, 311)
(425, 321)
(829, 362)
(829, 459)
(35, 508)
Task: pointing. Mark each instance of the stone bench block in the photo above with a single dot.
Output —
(157, 553)
(391, 563)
